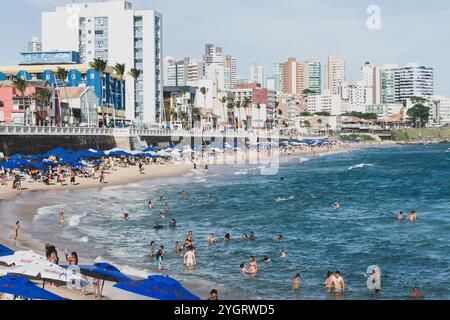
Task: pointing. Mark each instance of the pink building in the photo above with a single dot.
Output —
(33, 108)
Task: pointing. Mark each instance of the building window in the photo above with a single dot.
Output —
(2, 104)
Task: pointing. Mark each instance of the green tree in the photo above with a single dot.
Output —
(99, 65)
(223, 100)
(323, 114)
(230, 107)
(120, 70)
(419, 115)
(21, 85)
(204, 91)
(135, 74)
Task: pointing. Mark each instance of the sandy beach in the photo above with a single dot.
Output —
(123, 176)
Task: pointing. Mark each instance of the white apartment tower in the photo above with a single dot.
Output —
(257, 74)
(334, 73)
(34, 45)
(112, 30)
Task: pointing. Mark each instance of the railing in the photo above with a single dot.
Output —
(128, 132)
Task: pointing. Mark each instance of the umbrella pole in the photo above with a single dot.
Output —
(43, 284)
(101, 291)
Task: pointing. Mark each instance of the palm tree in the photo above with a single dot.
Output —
(99, 65)
(62, 75)
(246, 104)
(196, 114)
(44, 97)
(135, 74)
(230, 106)
(258, 107)
(238, 106)
(204, 90)
(276, 111)
(120, 71)
(224, 100)
(21, 85)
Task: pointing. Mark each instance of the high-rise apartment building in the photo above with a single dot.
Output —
(387, 83)
(278, 76)
(34, 45)
(312, 76)
(112, 30)
(414, 80)
(292, 80)
(230, 72)
(334, 74)
(257, 74)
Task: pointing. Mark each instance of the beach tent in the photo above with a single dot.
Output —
(158, 287)
(5, 251)
(19, 286)
(9, 165)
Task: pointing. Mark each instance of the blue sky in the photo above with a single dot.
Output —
(267, 31)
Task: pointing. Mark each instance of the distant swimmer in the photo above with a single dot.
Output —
(189, 258)
(193, 200)
(184, 194)
(244, 237)
(400, 216)
(283, 254)
(211, 197)
(227, 237)
(167, 208)
(336, 205)
(412, 216)
(338, 282)
(212, 238)
(161, 214)
(252, 266)
(178, 249)
(157, 226)
(161, 198)
(151, 252)
(266, 259)
(329, 281)
(173, 223)
(151, 205)
(243, 269)
(296, 282)
(279, 238)
(416, 293)
(252, 236)
(126, 217)
(61, 219)
(102, 212)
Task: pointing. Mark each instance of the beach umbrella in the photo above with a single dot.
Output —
(158, 287)
(20, 258)
(104, 271)
(22, 287)
(9, 165)
(149, 149)
(47, 272)
(5, 251)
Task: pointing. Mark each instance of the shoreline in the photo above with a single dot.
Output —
(124, 177)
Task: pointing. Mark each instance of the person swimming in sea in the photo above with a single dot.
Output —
(296, 282)
(400, 216)
(226, 237)
(126, 217)
(173, 223)
(212, 238)
(279, 238)
(184, 194)
(178, 249)
(211, 197)
(336, 205)
(161, 214)
(412, 216)
(266, 259)
(252, 266)
(252, 236)
(243, 269)
(283, 254)
(244, 237)
(193, 200)
(161, 198)
(61, 219)
(151, 205)
(151, 252)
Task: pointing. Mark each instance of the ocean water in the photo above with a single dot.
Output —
(371, 186)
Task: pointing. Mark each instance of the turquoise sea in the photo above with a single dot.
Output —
(371, 185)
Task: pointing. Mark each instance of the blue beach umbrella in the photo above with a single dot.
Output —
(158, 287)
(149, 149)
(105, 272)
(9, 165)
(5, 251)
(22, 287)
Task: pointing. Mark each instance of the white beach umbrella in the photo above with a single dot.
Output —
(47, 271)
(20, 258)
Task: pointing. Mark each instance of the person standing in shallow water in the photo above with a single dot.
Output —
(400, 216)
(16, 230)
(296, 282)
